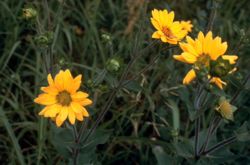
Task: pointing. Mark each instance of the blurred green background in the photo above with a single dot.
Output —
(149, 120)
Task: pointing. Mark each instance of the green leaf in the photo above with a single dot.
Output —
(87, 152)
(184, 148)
(133, 86)
(176, 115)
(62, 139)
(100, 77)
(161, 157)
(12, 136)
(185, 97)
(98, 137)
(243, 136)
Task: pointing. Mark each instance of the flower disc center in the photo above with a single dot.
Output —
(64, 98)
(167, 32)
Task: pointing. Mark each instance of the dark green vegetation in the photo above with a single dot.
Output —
(151, 118)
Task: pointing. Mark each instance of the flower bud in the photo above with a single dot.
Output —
(174, 133)
(113, 64)
(29, 13)
(220, 68)
(103, 88)
(44, 40)
(226, 109)
(106, 37)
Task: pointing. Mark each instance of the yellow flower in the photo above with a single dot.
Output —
(168, 30)
(225, 109)
(62, 100)
(187, 26)
(200, 52)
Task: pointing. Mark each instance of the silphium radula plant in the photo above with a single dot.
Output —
(207, 57)
(168, 30)
(62, 100)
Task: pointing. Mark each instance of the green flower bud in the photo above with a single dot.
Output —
(103, 88)
(90, 83)
(106, 37)
(61, 62)
(174, 133)
(220, 67)
(44, 40)
(113, 64)
(201, 73)
(29, 13)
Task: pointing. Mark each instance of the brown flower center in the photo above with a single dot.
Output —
(167, 32)
(64, 98)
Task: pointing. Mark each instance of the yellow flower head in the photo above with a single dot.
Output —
(62, 100)
(226, 109)
(168, 30)
(200, 52)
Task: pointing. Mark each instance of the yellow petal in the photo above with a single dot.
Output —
(170, 18)
(155, 14)
(187, 26)
(201, 36)
(172, 41)
(79, 96)
(190, 40)
(64, 113)
(231, 58)
(217, 81)
(179, 58)
(176, 28)
(188, 48)
(164, 39)
(207, 45)
(156, 24)
(72, 117)
(45, 99)
(163, 18)
(59, 122)
(189, 58)
(76, 83)
(76, 107)
(198, 47)
(156, 35)
(43, 111)
(67, 81)
(52, 110)
(85, 112)
(218, 48)
(59, 81)
(190, 76)
(79, 116)
(50, 80)
(85, 102)
(50, 90)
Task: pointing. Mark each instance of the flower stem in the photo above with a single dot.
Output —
(109, 102)
(211, 17)
(209, 134)
(220, 145)
(196, 143)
